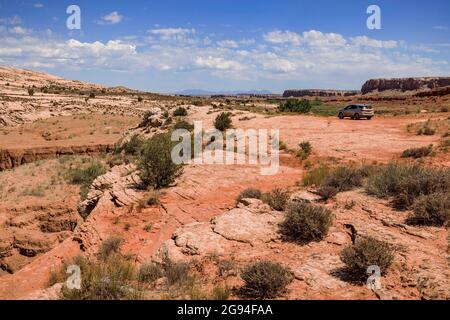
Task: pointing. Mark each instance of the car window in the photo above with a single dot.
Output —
(353, 107)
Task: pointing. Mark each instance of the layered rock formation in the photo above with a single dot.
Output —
(319, 93)
(12, 158)
(405, 84)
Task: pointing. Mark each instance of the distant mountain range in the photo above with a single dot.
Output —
(200, 92)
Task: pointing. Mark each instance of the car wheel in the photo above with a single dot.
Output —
(356, 116)
(341, 115)
(369, 118)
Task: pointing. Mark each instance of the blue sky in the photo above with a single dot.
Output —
(170, 45)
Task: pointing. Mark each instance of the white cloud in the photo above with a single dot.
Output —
(228, 44)
(19, 30)
(440, 27)
(280, 37)
(218, 63)
(329, 59)
(38, 5)
(14, 20)
(368, 42)
(112, 18)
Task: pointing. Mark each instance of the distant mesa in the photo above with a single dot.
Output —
(424, 84)
(319, 93)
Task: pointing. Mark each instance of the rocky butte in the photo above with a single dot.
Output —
(405, 84)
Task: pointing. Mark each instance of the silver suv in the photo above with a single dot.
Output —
(357, 111)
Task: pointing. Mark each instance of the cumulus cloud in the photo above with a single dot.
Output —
(19, 30)
(112, 18)
(280, 37)
(366, 41)
(217, 63)
(330, 59)
(14, 20)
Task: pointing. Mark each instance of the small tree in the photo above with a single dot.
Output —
(180, 112)
(155, 164)
(223, 121)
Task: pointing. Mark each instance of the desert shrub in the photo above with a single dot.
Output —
(366, 252)
(431, 210)
(140, 99)
(151, 198)
(175, 272)
(146, 119)
(294, 105)
(92, 95)
(183, 125)
(305, 150)
(407, 182)
(426, 131)
(104, 280)
(277, 199)
(131, 147)
(444, 109)
(315, 176)
(85, 176)
(150, 272)
(327, 192)
(180, 112)
(223, 121)
(265, 280)
(111, 246)
(221, 293)
(305, 222)
(155, 162)
(417, 152)
(339, 180)
(282, 145)
(166, 114)
(30, 91)
(445, 143)
(249, 193)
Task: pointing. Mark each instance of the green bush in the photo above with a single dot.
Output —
(294, 105)
(316, 176)
(180, 112)
(150, 272)
(431, 210)
(85, 176)
(366, 252)
(249, 193)
(111, 246)
(223, 121)
(183, 125)
(92, 95)
(277, 199)
(265, 280)
(407, 182)
(305, 150)
(147, 119)
(305, 222)
(417, 152)
(176, 272)
(131, 147)
(104, 280)
(426, 131)
(339, 180)
(155, 162)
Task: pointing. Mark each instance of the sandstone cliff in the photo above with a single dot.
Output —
(405, 84)
(319, 93)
